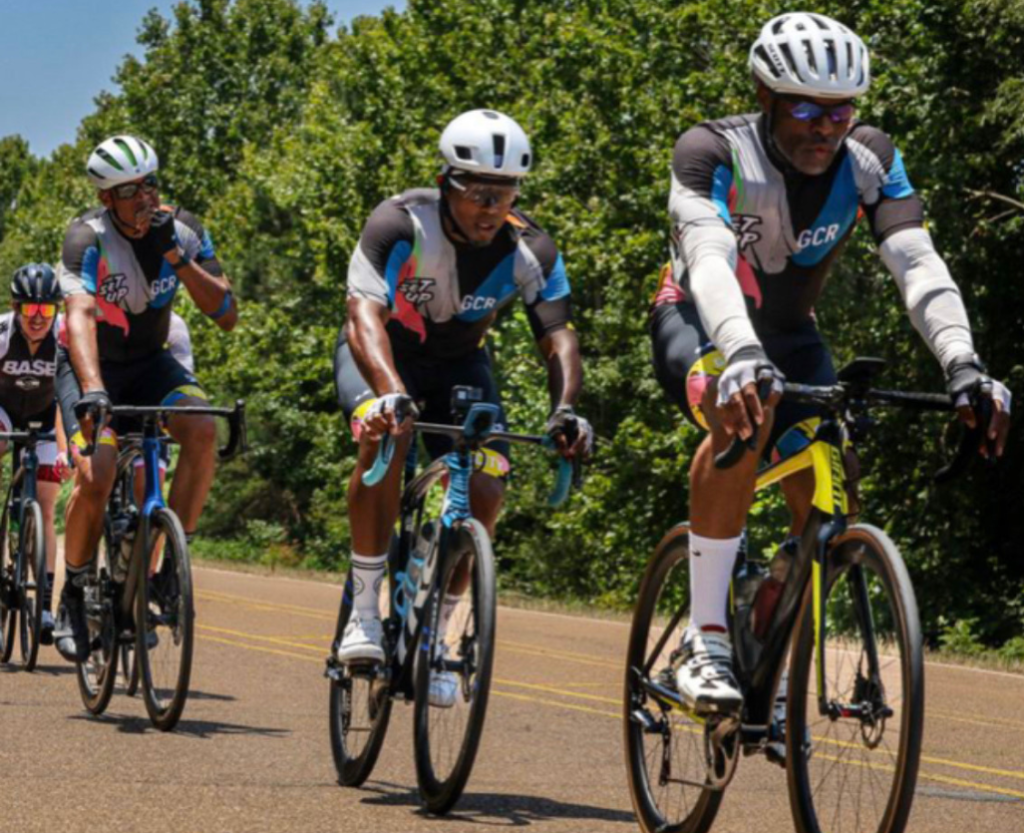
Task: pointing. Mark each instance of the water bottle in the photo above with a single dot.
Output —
(768, 594)
(124, 535)
(417, 557)
(747, 580)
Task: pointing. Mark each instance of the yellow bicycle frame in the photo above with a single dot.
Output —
(826, 459)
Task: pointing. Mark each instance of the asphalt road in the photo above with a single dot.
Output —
(252, 751)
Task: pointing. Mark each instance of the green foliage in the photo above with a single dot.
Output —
(284, 137)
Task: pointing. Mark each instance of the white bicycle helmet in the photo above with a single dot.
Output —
(811, 55)
(120, 159)
(486, 142)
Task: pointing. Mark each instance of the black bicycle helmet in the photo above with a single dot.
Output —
(36, 283)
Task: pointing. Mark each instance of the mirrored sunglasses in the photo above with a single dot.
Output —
(45, 310)
(487, 194)
(809, 111)
(125, 192)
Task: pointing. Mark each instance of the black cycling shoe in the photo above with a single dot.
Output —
(71, 636)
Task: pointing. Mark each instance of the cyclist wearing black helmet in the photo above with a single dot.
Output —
(28, 364)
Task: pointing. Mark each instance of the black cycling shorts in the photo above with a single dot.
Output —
(685, 360)
(429, 382)
(157, 379)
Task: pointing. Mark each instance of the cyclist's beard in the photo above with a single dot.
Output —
(142, 218)
(464, 239)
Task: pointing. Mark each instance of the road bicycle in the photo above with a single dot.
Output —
(139, 599)
(428, 555)
(22, 551)
(839, 604)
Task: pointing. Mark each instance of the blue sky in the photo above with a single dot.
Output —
(57, 55)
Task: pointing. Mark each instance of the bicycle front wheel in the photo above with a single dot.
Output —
(32, 583)
(360, 706)
(454, 662)
(666, 762)
(854, 727)
(165, 619)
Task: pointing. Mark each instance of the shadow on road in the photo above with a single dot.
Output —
(203, 729)
(496, 809)
(41, 670)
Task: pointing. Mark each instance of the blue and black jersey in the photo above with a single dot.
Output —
(444, 296)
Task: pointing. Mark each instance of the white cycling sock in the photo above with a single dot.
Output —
(711, 564)
(367, 575)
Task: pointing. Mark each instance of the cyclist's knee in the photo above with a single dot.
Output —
(189, 431)
(95, 475)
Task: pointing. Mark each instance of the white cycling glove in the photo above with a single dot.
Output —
(746, 367)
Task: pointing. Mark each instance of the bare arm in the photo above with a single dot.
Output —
(561, 351)
(82, 348)
(208, 291)
(371, 347)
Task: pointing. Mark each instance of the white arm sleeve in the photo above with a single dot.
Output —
(932, 299)
(707, 247)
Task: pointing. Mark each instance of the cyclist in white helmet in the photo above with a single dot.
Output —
(122, 265)
(761, 205)
(432, 269)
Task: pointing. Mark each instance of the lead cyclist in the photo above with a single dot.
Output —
(761, 206)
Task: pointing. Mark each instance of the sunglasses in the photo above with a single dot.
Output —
(125, 192)
(45, 310)
(486, 194)
(802, 110)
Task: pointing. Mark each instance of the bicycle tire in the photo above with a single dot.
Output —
(864, 562)
(354, 765)
(8, 591)
(96, 676)
(440, 789)
(663, 590)
(165, 623)
(32, 583)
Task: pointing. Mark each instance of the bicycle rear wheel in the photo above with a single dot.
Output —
(8, 590)
(666, 761)
(165, 619)
(32, 583)
(360, 705)
(96, 676)
(447, 737)
(858, 771)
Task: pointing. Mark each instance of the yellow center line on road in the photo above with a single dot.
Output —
(998, 722)
(563, 692)
(944, 779)
(529, 649)
(618, 715)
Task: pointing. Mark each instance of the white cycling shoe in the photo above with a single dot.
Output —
(363, 640)
(704, 674)
(444, 685)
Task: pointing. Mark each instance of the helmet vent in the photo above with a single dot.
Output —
(822, 24)
(499, 150)
(464, 153)
(526, 161)
(491, 115)
(109, 159)
(788, 55)
(767, 61)
(126, 148)
(95, 173)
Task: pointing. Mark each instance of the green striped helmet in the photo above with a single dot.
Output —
(120, 159)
